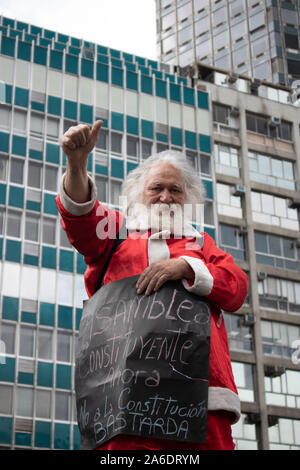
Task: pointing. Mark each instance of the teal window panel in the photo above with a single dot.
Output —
(147, 129)
(189, 96)
(15, 34)
(29, 37)
(35, 30)
(2, 191)
(140, 60)
(65, 317)
(71, 64)
(10, 308)
(117, 168)
(19, 145)
(62, 38)
(161, 88)
(61, 436)
(54, 105)
(48, 257)
(101, 170)
(21, 97)
(40, 55)
(33, 206)
(131, 80)
(208, 188)
(211, 231)
(66, 260)
(31, 260)
(90, 163)
(102, 50)
(42, 436)
(80, 264)
(59, 47)
(102, 72)
(22, 26)
(63, 376)
(38, 106)
(76, 42)
(115, 53)
(45, 374)
(16, 196)
(182, 80)
(24, 51)
(117, 121)
(5, 430)
(8, 22)
(130, 167)
(7, 370)
(104, 59)
(49, 34)
(45, 42)
(170, 77)
(86, 113)
(203, 100)
(52, 153)
(28, 317)
(87, 68)
(4, 142)
(153, 64)
(130, 67)
(132, 125)
(117, 63)
(162, 137)
(25, 378)
(8, 46)
(117, 76)
(175, 92)
(47, 314)
(146, 84)
(35, 154)
(70, 109)
(76, 437)
(23, 439)
(157, 74)
(78, 318)
(176, 136)
(190, 140)
(56, 60)
(8, 94)
(50, 204)
(205, 143)
(13, 251)
(74, 50)
(127, 57)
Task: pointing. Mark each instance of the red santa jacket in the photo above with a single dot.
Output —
(217, 278)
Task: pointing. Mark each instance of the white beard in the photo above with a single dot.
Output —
(159, 217)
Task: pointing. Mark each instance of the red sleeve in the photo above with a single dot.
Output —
(230, 283)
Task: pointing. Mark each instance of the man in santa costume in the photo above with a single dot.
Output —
(162, 185)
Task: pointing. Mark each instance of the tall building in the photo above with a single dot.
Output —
(49, 82)
(243, 138)
(257, 38)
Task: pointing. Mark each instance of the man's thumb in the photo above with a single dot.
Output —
(95, 131)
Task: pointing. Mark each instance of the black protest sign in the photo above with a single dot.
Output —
(142, 364)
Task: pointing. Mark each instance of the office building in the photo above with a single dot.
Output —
(256, 38)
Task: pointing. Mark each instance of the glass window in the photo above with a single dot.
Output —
(34, 176)
(64, 241)
(220, 16)
(102, 140)
(49, 231)
(5, 115)
(256, 21)
(36, 124)
(29, 283)
(221, 113)
(45, 344)
(43, 404)
(32, 227)
(14, 220)
(101, 184)
(8, 336)
(52, 128)
(202, 26)
(6, 393)
(16, 170)
(3, 167)
(27, 341)
(168, 21)
(146, 148)
(24, 402)
(62, 406)
(65, 289)
(116, 142)
(184, 11)
(19, 120)
(47, 285)
(2, 218)
(132, 146)
(115, 192)
(51, 173)
(64, 342)
(261, 242)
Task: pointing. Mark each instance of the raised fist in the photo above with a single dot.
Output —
(78, 141)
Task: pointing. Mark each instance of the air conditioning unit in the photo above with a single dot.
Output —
(272, 420)
(261, 276)
(238, 190)
(235, 112)
(249, 320)
(231, 78)
(252, 418)
(294, 203)
(243, 229)
(274, 122)
(273, 371)
(255, 83)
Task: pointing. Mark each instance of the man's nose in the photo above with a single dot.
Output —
(166, 196)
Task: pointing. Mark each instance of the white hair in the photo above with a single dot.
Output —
(133, 185)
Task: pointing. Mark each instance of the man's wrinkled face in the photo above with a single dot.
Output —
(163, 185)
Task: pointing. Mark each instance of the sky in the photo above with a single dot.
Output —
(126, 25)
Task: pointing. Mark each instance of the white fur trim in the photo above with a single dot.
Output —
(76, 208)
(224, 399)
(203, 282)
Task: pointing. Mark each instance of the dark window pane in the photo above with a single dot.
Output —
(146, 148)
(274, 245)
(261, 242)
(32, 228)
(228, 235)
(13, 228)
(101, 185)
(16, 171)
(288, 248)
(51, 178)
(251, 123)
(132, 146)
(116, 142)
(49, 228)
(102, 140)
(291, 41)
(34, 175)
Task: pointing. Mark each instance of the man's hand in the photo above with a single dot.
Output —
(77, 143)
(162, 271)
